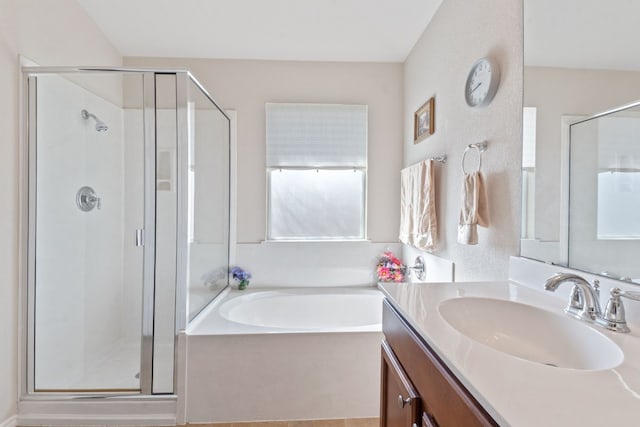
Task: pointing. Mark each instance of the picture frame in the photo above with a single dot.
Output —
(424, 121)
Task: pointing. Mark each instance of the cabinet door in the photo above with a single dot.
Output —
(442, 396)
(399, 402)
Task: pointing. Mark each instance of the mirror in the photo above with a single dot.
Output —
(580, 58)
(604, 194)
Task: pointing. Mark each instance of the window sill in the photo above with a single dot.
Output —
(318, 241)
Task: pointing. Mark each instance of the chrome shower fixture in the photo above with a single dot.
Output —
(100, 125)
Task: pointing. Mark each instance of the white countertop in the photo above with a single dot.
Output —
(517, 392)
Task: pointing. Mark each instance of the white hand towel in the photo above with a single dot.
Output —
(474, 210)
(418, 222)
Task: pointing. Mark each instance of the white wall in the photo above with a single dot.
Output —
(245, 86)
(43, 32)
(461, 32)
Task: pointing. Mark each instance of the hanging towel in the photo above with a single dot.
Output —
(474, 210)
(418, 223)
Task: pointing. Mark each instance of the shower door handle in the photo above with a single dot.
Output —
(139, 237)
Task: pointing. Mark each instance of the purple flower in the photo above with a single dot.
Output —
(239, 274)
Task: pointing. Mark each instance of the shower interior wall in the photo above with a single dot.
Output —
(89, 315)
(72, 154)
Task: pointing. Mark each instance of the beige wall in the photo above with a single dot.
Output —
(50, 33)
(461, 32)
(245, 86)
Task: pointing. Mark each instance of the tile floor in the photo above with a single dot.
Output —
(349, 422)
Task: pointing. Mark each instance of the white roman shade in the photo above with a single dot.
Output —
(316, 135)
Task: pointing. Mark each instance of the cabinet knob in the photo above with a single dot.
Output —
(402, 401)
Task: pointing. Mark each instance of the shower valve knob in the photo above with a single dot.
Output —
(86, 199)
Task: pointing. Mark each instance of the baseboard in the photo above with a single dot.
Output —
(133, 412)
(10, 422)
(100, 420)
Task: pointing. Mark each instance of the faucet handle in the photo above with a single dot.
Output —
(627, 294)
(614, 317)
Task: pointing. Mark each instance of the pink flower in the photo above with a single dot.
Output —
(392, 258)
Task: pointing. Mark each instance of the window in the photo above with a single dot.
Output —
(316, 171)
(528, 172)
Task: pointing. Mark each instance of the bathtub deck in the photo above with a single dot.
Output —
(211, 322)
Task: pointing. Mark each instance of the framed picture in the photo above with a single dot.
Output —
(424, 121)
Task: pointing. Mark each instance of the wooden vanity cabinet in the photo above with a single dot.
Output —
(399, 402)
(417, 389)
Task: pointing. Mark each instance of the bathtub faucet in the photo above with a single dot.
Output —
(419, 267)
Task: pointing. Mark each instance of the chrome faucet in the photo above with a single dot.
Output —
(614, 317)
(584, 303)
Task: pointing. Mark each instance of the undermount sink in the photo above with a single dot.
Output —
(531, 333)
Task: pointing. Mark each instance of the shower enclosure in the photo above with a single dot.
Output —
(127, 224)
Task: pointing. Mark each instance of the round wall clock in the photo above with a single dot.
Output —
(482, 83)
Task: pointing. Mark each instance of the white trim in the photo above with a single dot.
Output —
(233, 185)
(181, 376)
(143, 412)
(10, 422)
(106, 420)
(565, 170)
(23, 227)
(316, 241)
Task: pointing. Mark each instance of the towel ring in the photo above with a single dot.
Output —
(480, 147)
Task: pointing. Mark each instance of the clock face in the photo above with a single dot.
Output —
(482, 83)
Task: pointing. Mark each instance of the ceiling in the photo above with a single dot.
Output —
(307, 30)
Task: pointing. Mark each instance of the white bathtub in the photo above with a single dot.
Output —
(292, 310)
(285, 354)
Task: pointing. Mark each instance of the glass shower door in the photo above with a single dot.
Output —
(87, 208)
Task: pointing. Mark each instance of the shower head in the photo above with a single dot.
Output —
(100, 125)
